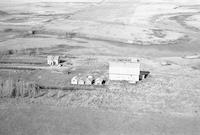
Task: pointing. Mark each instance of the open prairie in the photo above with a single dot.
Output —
(88, 34)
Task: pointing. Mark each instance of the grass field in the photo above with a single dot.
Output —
(162, 34)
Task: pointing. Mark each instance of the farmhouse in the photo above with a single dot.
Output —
(56, 60)
(53, 60)
(124, 71)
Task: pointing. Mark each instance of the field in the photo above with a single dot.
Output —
(164, 35)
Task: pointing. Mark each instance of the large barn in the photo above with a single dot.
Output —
(124, 71)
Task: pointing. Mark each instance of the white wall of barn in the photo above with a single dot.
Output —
(120, 77)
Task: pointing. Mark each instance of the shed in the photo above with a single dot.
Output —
(32, 32)
(81, 81)
(74, 80)
(124, 71)
(89, 80)
(98, 81)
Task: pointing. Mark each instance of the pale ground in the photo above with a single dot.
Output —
(163, 34)
(194, 21)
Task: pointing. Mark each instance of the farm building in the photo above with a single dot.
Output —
(50, 60)
(133, 60)
(81, 81)
(53, 60)
(32, 32)
(98, 81)
(74, 80)
(89, 80)
(124, 71)
(56, 60)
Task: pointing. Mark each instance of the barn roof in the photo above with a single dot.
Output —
(124, 68)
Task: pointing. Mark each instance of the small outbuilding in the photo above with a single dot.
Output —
(74, 80)
(98, 81)
(89, 80)
(32, 32)
(81, 81)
